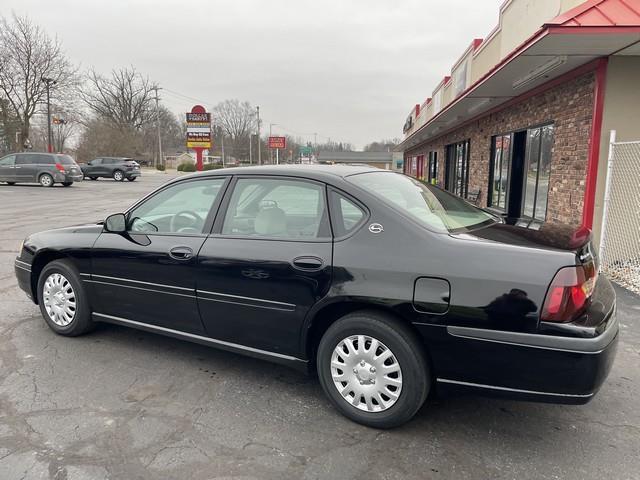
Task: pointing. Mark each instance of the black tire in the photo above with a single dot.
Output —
(131, 179)
(93, 178)
(46, 180)
(11, 183)
(408, 352)
(67, 184)
(81, 322)
(118, 175)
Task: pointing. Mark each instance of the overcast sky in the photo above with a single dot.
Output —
(347, 69)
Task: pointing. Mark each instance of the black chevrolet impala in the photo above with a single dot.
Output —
(387, 287)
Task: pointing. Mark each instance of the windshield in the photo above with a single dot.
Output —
(429, 205)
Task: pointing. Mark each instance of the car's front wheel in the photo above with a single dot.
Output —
(131, 179)
(63, 300)
(373, 369)
(67, 184)
(118, 176)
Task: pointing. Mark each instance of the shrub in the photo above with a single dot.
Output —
(161, 167)
(211, 166)
(187, 167)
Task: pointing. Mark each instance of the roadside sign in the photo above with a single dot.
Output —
(277, 142)
(199, 130)
(306, 151)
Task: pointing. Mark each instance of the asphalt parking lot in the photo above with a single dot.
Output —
(123, 404)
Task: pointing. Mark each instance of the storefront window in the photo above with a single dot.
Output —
(432, 173)
(537, 172)
(500, 162)
(457, 168)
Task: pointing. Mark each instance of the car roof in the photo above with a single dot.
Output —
(309, 171)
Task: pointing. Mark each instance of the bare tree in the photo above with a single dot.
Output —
(27, 55)
(125, 98)
(237, 122)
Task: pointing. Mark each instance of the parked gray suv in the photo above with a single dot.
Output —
(43, 168)
(117, 168)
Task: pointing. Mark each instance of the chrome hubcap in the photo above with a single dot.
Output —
(118, 176)
(45, 180)
(366, 373)
(59, 299)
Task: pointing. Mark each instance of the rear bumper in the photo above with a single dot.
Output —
(526, 366)
(69, 177)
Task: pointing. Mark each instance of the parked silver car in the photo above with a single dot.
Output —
(43, 168)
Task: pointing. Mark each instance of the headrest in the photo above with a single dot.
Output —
(271, 221)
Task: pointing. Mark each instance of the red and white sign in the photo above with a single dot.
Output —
(277, 142)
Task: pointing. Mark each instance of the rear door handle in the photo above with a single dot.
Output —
(181, 253)
(308, 263)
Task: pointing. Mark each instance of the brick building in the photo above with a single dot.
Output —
(523, 120)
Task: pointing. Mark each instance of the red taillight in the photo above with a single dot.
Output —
(59, 167)
(569, 293)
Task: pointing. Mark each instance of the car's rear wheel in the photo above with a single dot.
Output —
(131, 179)
(373, 369)
(93, 178)
(63, 300)
(118, 175)
(46, 180)
(11, 183)
(67, 184)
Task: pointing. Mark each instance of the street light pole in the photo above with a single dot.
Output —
(48, 82)
(259, 146)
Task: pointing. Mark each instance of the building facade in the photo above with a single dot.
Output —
(522, 121)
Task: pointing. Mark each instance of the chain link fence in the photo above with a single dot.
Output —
(620, 245)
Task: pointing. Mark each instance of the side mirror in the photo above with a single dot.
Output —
(116, 223)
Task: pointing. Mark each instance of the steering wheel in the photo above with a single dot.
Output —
(193, 217)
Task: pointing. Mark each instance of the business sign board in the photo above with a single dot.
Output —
(199, 130)
(277, 142)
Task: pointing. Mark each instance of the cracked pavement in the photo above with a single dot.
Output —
(123, 404)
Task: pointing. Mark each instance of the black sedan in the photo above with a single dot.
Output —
(386, 286)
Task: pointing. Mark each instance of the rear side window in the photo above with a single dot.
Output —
(34, 159)
(277, 208)
(346, 215)
(65, 160)
(96, 161)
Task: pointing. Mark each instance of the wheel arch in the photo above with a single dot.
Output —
(41, 260)
(328, 314)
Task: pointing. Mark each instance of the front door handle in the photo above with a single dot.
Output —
(181, 253)
(308, 263)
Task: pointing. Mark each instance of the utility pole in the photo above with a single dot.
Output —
(222, 144)
(259, 146)
(250, 142)
(156, 88)
(48, 82)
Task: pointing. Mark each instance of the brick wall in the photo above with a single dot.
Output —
(569, 106)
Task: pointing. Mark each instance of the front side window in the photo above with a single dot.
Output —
(537, 172)
(276, 208)
(96, 161)
(8, 160)
(179, 208)
(499, 171)
(432, 207)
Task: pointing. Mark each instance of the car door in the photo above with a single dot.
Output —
(26, 167)
(91, 168)
(7, 168)
(148, 273)
(267, 262)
